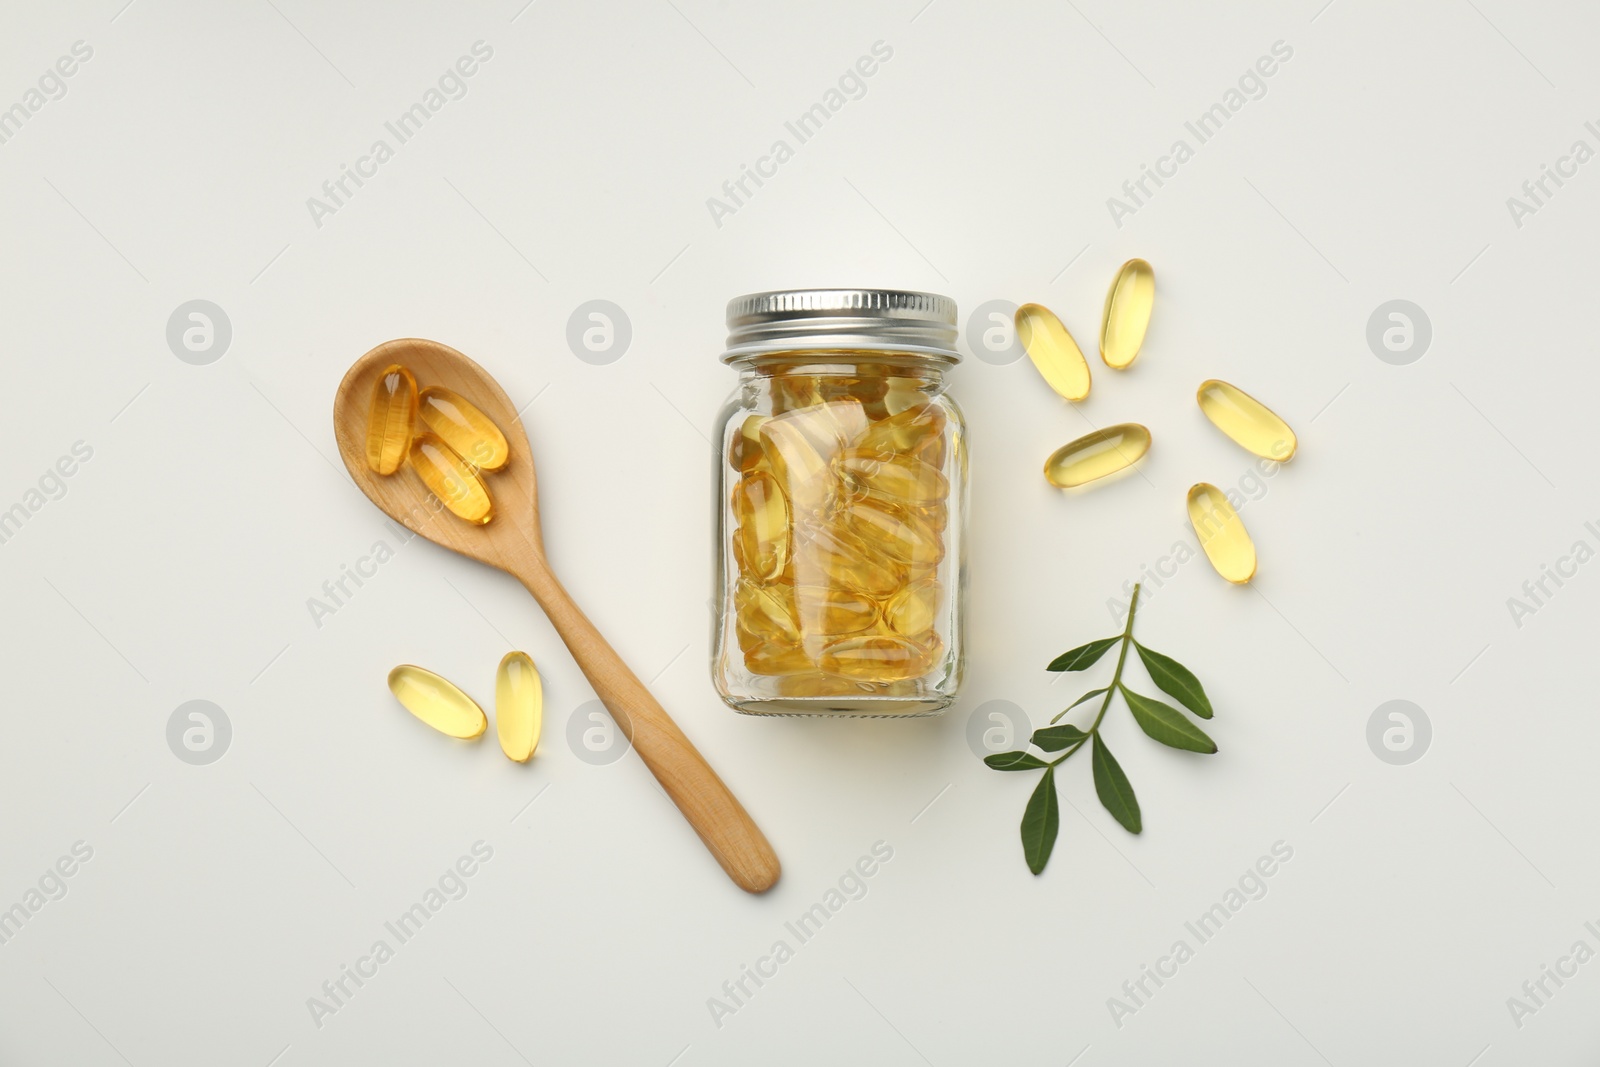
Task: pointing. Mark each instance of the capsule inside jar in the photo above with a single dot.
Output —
(879, 658)
(893, 532)
(762, 512)
(744, 449)
(826, 612)
(913, 609)
(829, 556)
(902, 479)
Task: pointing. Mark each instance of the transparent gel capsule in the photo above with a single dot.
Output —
(801, 446)
(795, 392)
(1222, 534)
(829, 556)
(890, 393)
(867, 388)
(837, 423)
(876, 658)
(1097, 454)
(766, 612)
(874, 394)
(799, 462)
(1127, 313)
(1249, 422)
(518, 706)
(746, 637)
(825, 611)
(900, 479)
(464, 428)
(437, 702)
(389, 419)
(909, 432)
(913, 609)
(762, 514)
(935, 518)
(932, 451)
(775, 659)
(744, 447)
(905, 394)
(1053, 351)
(895, 533)
(931, 644)
(452, 480)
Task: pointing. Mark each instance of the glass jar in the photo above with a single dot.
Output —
(841, 486)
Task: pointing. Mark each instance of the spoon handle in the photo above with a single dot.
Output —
(714, 812)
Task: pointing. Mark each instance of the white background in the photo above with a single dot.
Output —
(179, 562)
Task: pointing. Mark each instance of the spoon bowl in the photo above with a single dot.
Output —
(511, 542)
(503, 543)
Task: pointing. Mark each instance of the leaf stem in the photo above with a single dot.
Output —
(1116, 679)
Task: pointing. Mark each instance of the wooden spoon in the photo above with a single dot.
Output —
(512, 542)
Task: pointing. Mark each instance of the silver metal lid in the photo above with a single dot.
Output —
(890, 320)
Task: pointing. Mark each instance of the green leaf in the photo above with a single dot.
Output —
(1015, 761)
(1056, 738)
(1090, 695)
(1167, 724)
(1041, 821)
(1084, 656)
(1175, 680)
(1113, 788)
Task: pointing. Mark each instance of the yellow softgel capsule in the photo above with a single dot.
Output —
(894, 532)
(801, 446)
(901, 479)
(1053, 351)
(389, 419)
(825, 611)
(762, 513)
(766, 612)
(905, 394)
(931, 452)
(771, 658)
(1097, 454)
(867, 388)
(518, 706)
(795, 392)
(913, 609)
(910, 430)
(829, 556)
(437, 703)
(1222, 534)
(1127, 313)
(918, 432)
(744, 446)
(452, 479)
(1250, 423)
(876, 658)
(799, 462)
(464, 428)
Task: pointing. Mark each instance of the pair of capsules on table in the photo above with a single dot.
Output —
(1245, 420)
(518, 704)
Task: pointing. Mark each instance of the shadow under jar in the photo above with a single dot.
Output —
(841, 486)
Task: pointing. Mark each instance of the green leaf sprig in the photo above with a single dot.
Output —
(1041, 819)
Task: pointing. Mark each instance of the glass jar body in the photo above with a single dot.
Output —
(841, 488)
